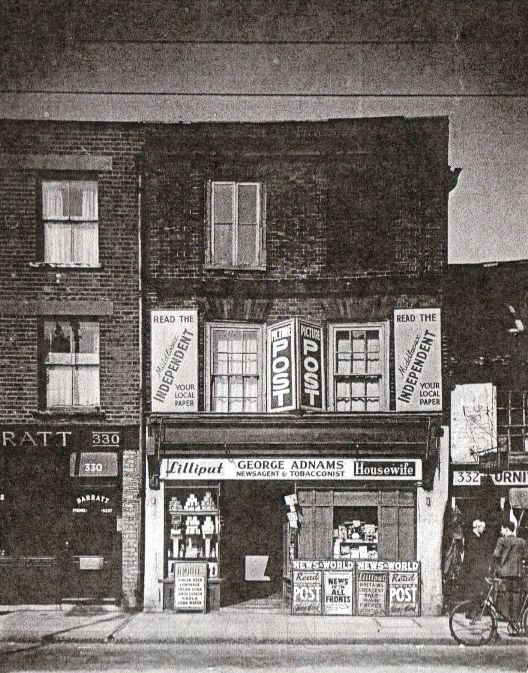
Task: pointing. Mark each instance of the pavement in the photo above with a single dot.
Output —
(73, 624)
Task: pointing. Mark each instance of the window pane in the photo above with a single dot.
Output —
(342, 389)
(343, 364)
(85, 243)
(358, 365)
(83, 200)
(250, 387)
(358, 342)
(236, 388)
(59, 386)
(247, 204)
(222, 203)
(373, 365)
(373, 342)
(86, 386)
(343, 341)
(54, 200)
(58, 337)
(250, 363)
(358, 405)
(358, 389)
(343, 405)
(247, 244)
(88, 339)
(58, 242)
(373, 388)
(223, 244)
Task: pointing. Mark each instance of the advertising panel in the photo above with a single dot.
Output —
(307, 592)
(290, 469)
(282, 390)
(404, 598)
(418, 359)
(338, 593)
(174, 360)
(371, 592)
(473, 421)
(311, 366)
(190, 586)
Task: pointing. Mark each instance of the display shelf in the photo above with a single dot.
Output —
(196, 512)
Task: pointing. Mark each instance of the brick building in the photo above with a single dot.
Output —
(69, 362)
(293, 287)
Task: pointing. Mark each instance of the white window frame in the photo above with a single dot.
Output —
(74, 362)
(210, 328)
(74, 223)
(260, 262)
(383, 328)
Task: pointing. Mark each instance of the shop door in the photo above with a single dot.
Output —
(252, 540)
(91, 562)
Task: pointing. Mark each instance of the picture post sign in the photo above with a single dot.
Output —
(174, 360)
(418, 359)
(190, 586)
(282, 381)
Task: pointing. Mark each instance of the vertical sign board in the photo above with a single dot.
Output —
(307, 594)
(338, 597)
(473, 421)
(371, 592)
(404, 598)
(311, 366)
(174, 361)
(418, 359)
(282, 384)
(190, 586)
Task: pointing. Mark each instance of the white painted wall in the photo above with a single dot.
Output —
(154, 535)
(430, 523)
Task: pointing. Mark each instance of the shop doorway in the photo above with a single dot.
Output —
(253, 544)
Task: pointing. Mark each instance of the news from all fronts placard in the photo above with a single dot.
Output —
(291, 469)
(174, 361)
(418, 359)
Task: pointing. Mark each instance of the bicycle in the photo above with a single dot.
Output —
(475, 622)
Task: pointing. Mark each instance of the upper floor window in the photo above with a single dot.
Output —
(359, 367)
(70, 221)
(234, 368)
(236, 224)
(71, 361)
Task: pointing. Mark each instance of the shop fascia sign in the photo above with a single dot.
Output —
(290, 469)
(468, 477)
(295, 366)
(85, 437)
(418, 359)
(174, 360)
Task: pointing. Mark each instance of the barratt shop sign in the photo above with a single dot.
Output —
(418, 360)
(174, 361)
(290, 469)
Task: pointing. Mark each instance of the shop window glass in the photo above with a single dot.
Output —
(236, 224)
(359, 368)
(70, 222)
(71, 361)
(235, 365)
(355, 533)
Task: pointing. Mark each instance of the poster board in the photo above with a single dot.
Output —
(190, 586)
(307, 592)
(404, 593)
(338, 592)
(371, 592)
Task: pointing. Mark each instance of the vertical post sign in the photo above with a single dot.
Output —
(281, 361)
(418, 359)
(174, 360)
(295, 366)
(311, 366)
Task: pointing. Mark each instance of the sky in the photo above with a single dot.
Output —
(251, 60)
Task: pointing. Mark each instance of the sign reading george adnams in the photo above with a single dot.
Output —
(418, 359)
(250, 468)
(174, 360)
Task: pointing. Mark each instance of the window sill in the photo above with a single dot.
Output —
(70, 412)
(233, 269)
(54, 265)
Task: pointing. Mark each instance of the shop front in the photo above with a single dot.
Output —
(60, 508)
(290, 525)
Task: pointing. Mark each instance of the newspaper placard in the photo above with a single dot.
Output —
(371, 592)
(404, 597)
(338, 596)
(307, 592)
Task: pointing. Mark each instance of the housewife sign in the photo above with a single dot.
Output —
(174, 361)
(418, 361)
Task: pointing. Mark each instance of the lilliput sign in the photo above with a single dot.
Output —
(417, 345)
(174, 360)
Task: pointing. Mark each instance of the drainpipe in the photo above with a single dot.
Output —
(141, 484)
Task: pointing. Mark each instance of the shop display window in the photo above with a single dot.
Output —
(194, 527)
(355, 533)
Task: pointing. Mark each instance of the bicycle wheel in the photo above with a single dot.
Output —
(524, 621)
(472, 623)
